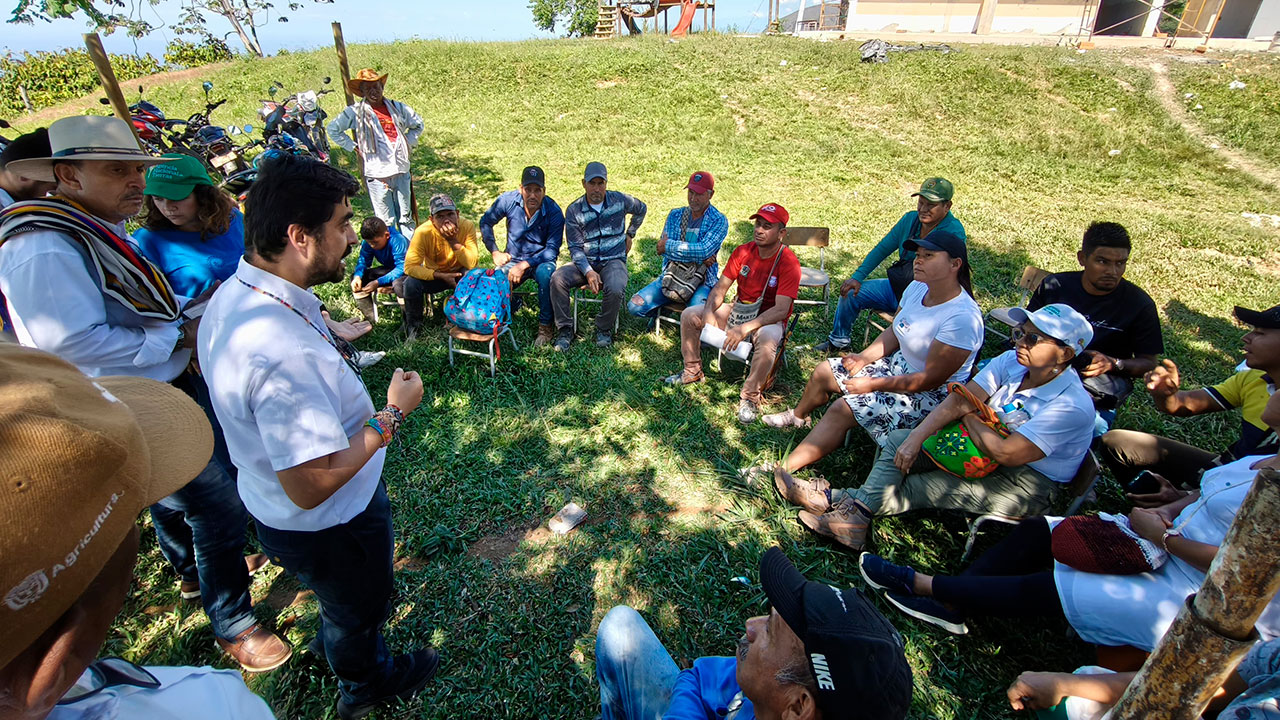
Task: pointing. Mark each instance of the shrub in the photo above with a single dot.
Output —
(180, 53)
(54, 77)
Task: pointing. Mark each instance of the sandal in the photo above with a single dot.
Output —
(786, 419)
(683, 378)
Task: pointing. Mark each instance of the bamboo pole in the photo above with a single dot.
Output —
(1216, 626)
(98, 55)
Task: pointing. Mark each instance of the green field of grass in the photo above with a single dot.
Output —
(1027, 135)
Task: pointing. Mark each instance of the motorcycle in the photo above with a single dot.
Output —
(211, 142)
(299, 116)
(157, 133)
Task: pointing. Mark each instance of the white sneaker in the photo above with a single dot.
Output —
(747, 412)
(785, 419)
(366, 359)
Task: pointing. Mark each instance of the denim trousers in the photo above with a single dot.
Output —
(652, 299)
(390, 200)
(542, 275)
(348, 567)
(201, 530)
(873, 295)
(635, 673)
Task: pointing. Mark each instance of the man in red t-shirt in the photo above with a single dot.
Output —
(762, 275)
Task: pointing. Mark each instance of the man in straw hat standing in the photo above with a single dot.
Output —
(111, 312)
(87, 456)
(386, 130)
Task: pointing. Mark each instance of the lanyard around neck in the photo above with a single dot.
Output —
(346, 357)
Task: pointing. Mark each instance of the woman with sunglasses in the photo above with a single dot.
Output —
(902, 375)
(1037, 394)
(1020, 577)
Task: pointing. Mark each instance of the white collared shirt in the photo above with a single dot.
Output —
(185, 693)
(58, 306)
(1061, 411)
(283, 395)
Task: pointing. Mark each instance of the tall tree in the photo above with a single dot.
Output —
(578, 16)
(244, 16)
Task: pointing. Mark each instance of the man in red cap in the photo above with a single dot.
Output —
(768, 278)
(688, 245)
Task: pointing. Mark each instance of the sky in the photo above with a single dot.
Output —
(362, 21)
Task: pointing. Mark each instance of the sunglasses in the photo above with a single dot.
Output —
(1033, 338)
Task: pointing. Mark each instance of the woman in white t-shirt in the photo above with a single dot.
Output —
(903, 373)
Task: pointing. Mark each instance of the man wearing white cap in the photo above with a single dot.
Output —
(1033, 391)
(111, 312)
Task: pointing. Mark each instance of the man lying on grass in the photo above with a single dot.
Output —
(821, 652)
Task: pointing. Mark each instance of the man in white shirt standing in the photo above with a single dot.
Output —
(78, 286)
(386, 130)
(90, 455)
(302, 428)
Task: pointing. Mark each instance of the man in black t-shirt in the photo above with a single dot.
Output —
(1126, 329)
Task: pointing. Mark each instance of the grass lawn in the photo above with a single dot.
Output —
(1026, 135)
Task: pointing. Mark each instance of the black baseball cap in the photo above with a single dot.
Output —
(947, 242)
(533, 175)
(1265, 319)
(31, 146)
(856, 656)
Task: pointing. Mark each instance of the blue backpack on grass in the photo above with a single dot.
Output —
(481, 303)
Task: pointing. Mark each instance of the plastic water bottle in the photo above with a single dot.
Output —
(1013, 415)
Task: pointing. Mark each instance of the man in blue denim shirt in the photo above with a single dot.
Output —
(822, 653)
(599, 240)
(535, 230)
(704, 230)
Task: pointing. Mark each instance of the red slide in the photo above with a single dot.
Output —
(686, 18)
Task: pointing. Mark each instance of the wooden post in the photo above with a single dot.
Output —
(1216, 626)
(344, 70)
(986, 14)
(98, 55)
(26, 101)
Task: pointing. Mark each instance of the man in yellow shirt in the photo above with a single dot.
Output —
(441, 250)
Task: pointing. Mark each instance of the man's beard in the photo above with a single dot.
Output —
(743, 646)
(322, 272)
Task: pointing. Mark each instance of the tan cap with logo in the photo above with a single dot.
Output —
(82, 457)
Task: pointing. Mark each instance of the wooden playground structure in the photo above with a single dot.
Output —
(615, 15)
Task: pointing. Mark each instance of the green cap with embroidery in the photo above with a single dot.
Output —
(936, 189)
(175, 180)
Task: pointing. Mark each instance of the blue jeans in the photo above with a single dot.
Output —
(636, 674)
(651, 299)
(542, 275)
(390, 198)
(874, 295)
(348, 567)
(201, 531)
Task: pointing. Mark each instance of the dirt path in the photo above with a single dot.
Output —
(1172, 104)
(90, 101)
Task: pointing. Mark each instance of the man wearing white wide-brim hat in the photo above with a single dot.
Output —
(79, 287)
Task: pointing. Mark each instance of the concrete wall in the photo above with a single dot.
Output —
(1025, 16)
(1267, 22)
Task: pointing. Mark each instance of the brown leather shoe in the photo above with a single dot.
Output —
(846, 523)
(812, 495)
(256, 562)
(257, 649)
(546, 333)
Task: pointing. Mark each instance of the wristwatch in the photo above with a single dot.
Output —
(1119, 366)
(182, 338)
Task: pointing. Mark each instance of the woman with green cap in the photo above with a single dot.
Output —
(190, 229)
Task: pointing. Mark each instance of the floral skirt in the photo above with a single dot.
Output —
(879, 412)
